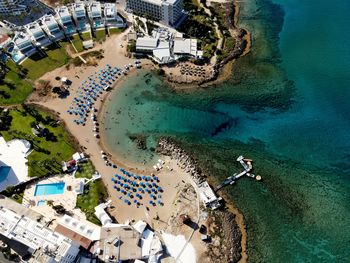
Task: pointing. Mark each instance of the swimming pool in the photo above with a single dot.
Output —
(41, 203)
(4, 171)
(49, 189)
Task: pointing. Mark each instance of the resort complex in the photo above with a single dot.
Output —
(165, 47)
(65, 194)
(66, 21)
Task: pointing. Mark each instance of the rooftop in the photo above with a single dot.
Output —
(4, 38)
(49, 20)
(13, 156)
(28, 231)
(146, 43)
(185, 46)
(63, 11)
(82, 228)
(120, 242)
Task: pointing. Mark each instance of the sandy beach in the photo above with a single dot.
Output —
(172, 180)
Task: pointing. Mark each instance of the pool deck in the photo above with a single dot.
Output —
(14, 154)
(67, 199)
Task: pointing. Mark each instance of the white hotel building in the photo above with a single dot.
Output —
(32, 238)
(64, 17)
(95, 15)
(37, 34)
(51, 28)
(112, 19)
(80, 17)
(168, 12)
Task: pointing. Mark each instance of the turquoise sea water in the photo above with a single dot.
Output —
(286, 106)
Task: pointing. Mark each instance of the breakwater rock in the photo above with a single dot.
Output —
(222, 226)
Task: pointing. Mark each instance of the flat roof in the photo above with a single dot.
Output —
(146, 42)
(81, 240)
(4, 38)
(82, 227)
(128, 246)
(185, 46)
(28, 232)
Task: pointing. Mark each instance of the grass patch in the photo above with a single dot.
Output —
(78, 44)
(47, 152)
(114, 31)
(85, 170)
(218, 10)
(100, 35)
(201, 26)
(86, 36)
(37, 65)
(195, 3)
(18, 197)
(13, 89)
(94, 193)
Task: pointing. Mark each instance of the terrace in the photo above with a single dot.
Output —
(13, 162)
(24, 44)
(55, 191)
(112, 19)
(51, 27)
(95, 15)
(79, 15)
(66, 20)
(38, 35)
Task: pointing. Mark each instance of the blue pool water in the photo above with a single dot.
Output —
(49, 189)
(4, 171)
(41, 203)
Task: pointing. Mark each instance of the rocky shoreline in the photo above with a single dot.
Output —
(222, 225)
(241, 38)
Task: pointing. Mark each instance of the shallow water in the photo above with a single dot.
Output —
(286, 106)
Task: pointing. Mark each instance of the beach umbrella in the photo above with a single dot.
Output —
(151, 202)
